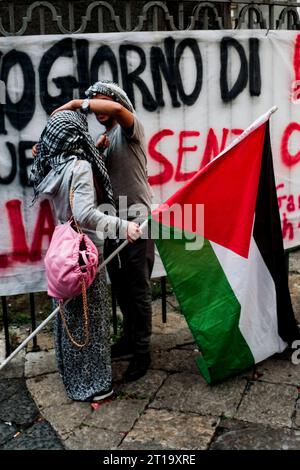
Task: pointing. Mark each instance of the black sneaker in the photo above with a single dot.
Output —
(121, 350)
(138, 367)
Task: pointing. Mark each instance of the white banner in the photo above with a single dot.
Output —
(194, 92)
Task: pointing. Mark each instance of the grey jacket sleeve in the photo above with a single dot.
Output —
(84, 207)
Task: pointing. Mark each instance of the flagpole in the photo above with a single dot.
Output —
(52, 315)
(255, 124)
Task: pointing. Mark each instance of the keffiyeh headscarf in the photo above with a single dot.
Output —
(65, 135)
(111, 89)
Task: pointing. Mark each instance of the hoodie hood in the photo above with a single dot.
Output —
(53, 181)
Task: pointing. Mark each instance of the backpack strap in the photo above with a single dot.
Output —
(71, 200)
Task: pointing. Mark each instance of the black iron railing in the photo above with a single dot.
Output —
(35, 346)
(69, 17)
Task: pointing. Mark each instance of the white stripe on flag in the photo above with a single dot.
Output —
(254, 288)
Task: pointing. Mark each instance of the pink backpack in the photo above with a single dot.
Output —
(71, 260)
(71, 266)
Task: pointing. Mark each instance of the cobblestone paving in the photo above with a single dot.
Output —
(22, 426)
(171, 407)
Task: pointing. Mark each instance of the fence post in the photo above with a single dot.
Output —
(5, 326)
(35, 346)
(163, 286)
(114, 310)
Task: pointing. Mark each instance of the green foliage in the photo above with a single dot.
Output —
(122, 395)
(115, 337)
(156, 288)
(15, 340)
(18, 308)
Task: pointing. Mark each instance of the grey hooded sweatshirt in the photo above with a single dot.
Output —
(56, 187)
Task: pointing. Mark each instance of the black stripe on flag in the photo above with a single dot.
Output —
(268, 237)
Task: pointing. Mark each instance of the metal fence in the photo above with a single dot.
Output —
(51, 17)
(19, 18)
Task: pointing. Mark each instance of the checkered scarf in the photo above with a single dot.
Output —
(111, 89)
(65, 135)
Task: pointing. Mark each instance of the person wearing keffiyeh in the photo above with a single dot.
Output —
(66, 135)
(66, 157)
(126, 162)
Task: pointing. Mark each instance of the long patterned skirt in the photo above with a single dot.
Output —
(85, 371)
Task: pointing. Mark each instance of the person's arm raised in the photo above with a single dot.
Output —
(110, 108)
(72, 105)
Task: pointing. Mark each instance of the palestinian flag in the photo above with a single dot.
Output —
(231, 281)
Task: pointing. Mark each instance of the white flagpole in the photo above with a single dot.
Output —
(52, 315)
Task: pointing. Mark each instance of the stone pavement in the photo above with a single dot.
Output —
(170, 408)
(22, 426)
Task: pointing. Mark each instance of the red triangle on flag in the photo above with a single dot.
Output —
(227, 187)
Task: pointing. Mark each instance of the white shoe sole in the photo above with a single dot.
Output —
(101, 397)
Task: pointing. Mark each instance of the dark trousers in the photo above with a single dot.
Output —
(130, 274)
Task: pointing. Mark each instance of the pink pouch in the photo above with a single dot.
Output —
(71, 261)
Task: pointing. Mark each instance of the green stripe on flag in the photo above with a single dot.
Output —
(207, 301)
